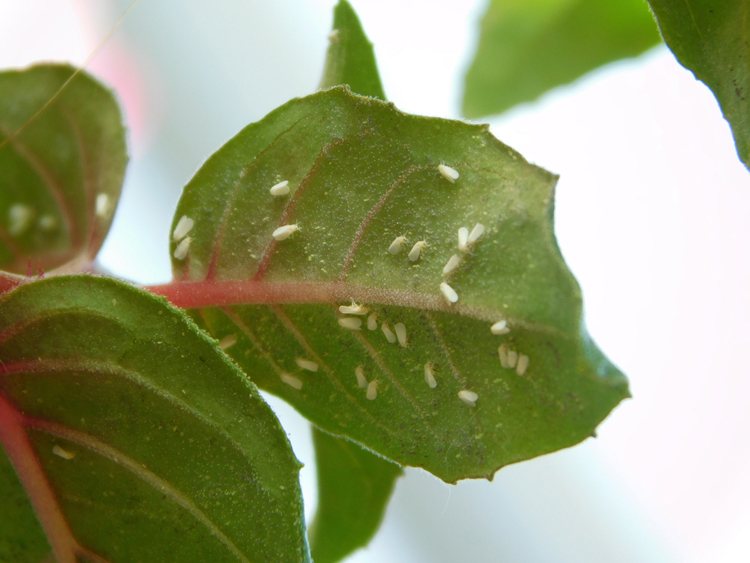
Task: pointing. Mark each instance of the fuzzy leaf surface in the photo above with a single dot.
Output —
(711, 39)
(361, 174)
(61, 173)
(135, 438)
(527, 47)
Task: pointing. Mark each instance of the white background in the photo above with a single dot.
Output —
(653, 217)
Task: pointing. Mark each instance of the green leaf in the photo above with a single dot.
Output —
(361, 174)
(527, 47)
(135, 437)
(710, 39)
(351, 58)
(354, 486)
(62, 167)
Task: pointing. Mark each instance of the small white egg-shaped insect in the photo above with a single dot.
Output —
(283, 232)
(58, 451)
(291, 381)
(475, 233)
(395, 247)
(401, 334)
(351, 323)
(449, 293)
(354, 309)
(416, 250)
(372, 322)
(182, 228)
(429, 375)
(388, 333)
(450, 174)
(452, 264)
(372, 390)
(361, 379)
(463, 239)
(47, 222)
(228, 341)
(182, 249)
(523, 364)
(19, 218)
(512, 358)
(468, 397)
(102, 205)
(502, 351)
(306, 364)
(500, 327)
(282, 188)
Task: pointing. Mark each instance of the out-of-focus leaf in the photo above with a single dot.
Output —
(361, 173)
(527, 47)
(135, 438)
(351, 59)
(354, 486)
(61, 171)
(711, 39)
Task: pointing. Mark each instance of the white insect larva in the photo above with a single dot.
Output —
(502, 351)
(58, 451)
(19, 218)
(47, 222)
(475, 233)
(449, 293)
(291, 381)
(372, 390)
(282, 188)
(429, 375)
(182, 249)
(468, 397)
(372, 322)
(182, 228)
(333, 37)
(463, 239)
(361, 379)
(283, 232)
(523, 363)
(452, 264)
(401, 334)
(354, 309)
(450, 174)
(388, 333)
(500, 327)
(416, 250)
(351, 323)
(227, 341)
(307, 364)
(395, 247)
(102, 205)
(512, 358)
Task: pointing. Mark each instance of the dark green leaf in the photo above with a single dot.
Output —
(711, 39)
(351, 59)
(354, 486)
(134, 436)
(527, 47)
(361, 174)
(62, 170)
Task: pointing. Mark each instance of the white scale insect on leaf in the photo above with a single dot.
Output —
(361, 379)
(449, 293)
(372, 390)
(282, 188)
(502, 351)
(416, 250)
(102, 206)
(306, 364)
(228, 341)
(500, 327)
(523, 364)
(372, 322)
(463, 239)
(512, 358)
(19, 218)
(452, 264)
(351, 323)
(283, 232)
(401, 334)
(475, 233)
(468, 397)
(182, 228)
(47, 222)
(450, 174)
(354, 309)
(388, 333)
(58, 451)
(429, 375)
(291, 381)
(395, 247)
(182, 249)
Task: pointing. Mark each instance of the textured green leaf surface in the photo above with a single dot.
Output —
(527, 47)
(354, 486)
(61, 172)
(134, 436)
(362, 173)
(351, 58)
(711, 39)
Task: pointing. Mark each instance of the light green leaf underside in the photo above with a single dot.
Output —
(56, 168)
(711, 39)
(527, 47)
(177, 458)
(351, 58)
(354, 486)
(363, 173)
